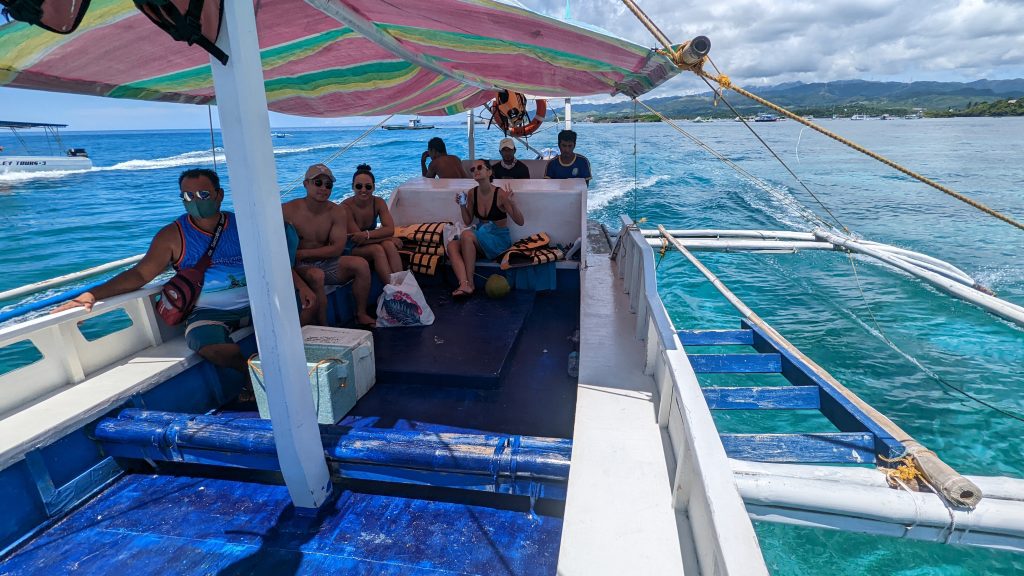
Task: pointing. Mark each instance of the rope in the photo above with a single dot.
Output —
(725, 83)
(803, 210)
(213, 146)
(259, 371)
(291, 185)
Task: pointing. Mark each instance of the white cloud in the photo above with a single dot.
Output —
(768, 42)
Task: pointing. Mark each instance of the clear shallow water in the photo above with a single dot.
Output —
(58, 223)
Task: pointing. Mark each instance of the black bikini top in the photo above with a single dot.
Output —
(494, 213)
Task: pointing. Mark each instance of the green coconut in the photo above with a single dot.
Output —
(497, 286)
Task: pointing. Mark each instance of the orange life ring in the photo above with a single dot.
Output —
(519, 130)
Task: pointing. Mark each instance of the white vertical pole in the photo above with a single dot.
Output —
(568, 113)
(245, 126)
(471, 130)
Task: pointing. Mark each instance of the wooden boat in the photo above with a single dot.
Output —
(414, 124)
(480, 449)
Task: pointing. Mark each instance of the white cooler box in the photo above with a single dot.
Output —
(353, 346)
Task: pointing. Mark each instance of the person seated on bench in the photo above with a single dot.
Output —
(309, 284)
(568, 164)
(442, 164)
(377, 244)
(492, 206)
(223, 304)
(508, 166)
(324, 230)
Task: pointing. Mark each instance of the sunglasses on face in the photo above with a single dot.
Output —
(197, 195)
(360, 186)
(323, 183)
(477, 168)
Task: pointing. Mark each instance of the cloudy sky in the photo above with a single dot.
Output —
(755, 42)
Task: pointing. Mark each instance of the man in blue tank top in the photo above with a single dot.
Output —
(223, 304)
(568, 164)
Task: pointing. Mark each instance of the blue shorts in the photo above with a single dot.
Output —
(493, 239)
(206, 326)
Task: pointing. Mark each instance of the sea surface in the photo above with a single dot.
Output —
(901, 345)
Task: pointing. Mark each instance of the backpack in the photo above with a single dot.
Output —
(192, 21)
(60, 16)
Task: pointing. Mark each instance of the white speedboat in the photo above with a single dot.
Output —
(72, 159)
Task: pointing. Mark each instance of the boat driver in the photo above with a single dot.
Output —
(568, 164)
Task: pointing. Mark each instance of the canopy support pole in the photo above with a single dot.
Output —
(471, 130)
(245, 126)
(568, 113)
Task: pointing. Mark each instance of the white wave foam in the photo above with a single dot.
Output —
(609, 189)
(43, 175)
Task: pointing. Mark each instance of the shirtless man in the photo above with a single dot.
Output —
(324, 228)
(442, 164)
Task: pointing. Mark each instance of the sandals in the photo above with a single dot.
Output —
(461, 293)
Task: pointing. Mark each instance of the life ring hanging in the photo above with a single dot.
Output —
(508, 111)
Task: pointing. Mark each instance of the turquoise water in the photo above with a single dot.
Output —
(895, 341)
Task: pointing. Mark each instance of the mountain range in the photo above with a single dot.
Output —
(842, 97)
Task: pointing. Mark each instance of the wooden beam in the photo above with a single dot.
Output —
(763, 397)
(715, 337)
(834, 447)
(735, 363)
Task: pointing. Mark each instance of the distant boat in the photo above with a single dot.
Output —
(73, 158)
(859, 117)
(766, 117)
(280, 135)
(701, 120)
(413, 124)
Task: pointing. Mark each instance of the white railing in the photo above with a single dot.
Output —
(68, 358)
(703, 487)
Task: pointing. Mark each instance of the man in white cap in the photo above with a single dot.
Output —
(323, 228)
(508, 166)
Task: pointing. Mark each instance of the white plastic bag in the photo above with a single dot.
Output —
(402, 303)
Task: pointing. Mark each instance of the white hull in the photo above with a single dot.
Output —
(10, 164)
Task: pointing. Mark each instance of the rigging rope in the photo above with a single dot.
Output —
(291, 185)
(726, 84)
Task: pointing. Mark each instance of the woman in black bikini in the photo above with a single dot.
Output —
(493, 207)
(377, 244)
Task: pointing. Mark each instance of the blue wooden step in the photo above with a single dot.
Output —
(835, 447)
(715, 337)
(763, 397)
(736, 363)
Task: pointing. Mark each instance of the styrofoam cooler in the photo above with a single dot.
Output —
(330, 378)
(353, 346)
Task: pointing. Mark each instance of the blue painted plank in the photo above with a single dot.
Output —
(835, 447)
(763, 397)
(735, 363)
(844, 414)
(715, 337)
(160, 524)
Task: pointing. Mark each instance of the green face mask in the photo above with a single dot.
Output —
(201, 208)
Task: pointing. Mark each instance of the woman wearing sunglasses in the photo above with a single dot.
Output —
(492, 206)
(375, 243)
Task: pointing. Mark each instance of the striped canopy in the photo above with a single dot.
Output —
(328, 58)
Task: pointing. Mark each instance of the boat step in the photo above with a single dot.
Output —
(833, 447)
(736, 363)
(716, 337)
(763, 398)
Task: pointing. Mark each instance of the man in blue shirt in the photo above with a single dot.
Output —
(568, 164)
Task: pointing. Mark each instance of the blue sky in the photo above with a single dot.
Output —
(755, 42)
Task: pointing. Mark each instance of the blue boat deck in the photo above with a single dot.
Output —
(193, 519)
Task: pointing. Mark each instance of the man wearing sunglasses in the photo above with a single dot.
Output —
(223, 304)
(324, 229)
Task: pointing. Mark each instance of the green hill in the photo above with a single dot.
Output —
(843, 98)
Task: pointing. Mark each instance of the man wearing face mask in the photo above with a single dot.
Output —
(223, 305)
